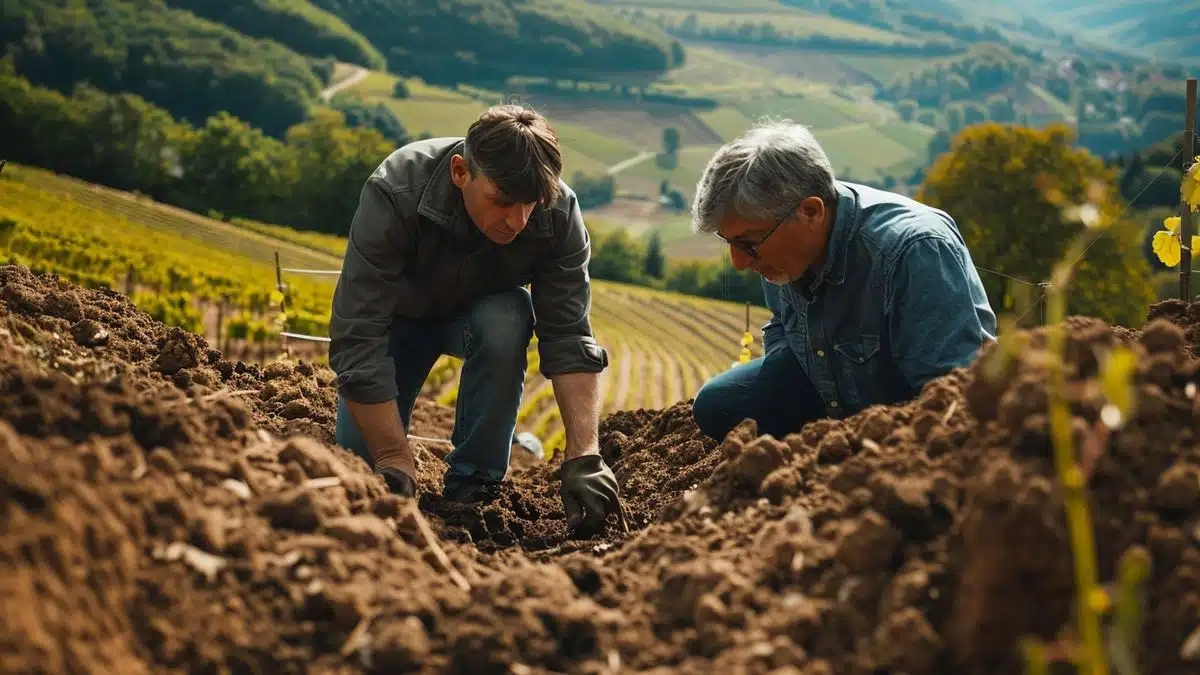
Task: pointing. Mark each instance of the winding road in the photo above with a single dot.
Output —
(359, 75)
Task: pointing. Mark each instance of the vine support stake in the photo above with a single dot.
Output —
(1185, 211)
(283, 341)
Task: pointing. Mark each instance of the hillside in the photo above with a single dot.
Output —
(295, 23)
(265, 61)
(450, 41)
(190, 66)
(1158, 28)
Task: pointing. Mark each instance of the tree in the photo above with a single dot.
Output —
(331, 162)
(678, 54)
(655, 263)
(954, 118)
(617, 257)
(939, 142)
(244, 172)
(1011, 190)
(670, 140)
(929, 117)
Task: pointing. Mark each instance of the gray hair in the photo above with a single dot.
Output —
(762, 175)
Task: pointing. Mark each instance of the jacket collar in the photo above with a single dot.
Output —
(845, 227)
(442, 202)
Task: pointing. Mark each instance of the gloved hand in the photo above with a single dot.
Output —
(589, 493)
(398, 468)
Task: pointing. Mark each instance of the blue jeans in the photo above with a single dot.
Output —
(773, 390)
(491, 337)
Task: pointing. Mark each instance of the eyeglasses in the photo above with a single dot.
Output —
(751, 248)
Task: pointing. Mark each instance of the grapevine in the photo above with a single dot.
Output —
(1167, 242)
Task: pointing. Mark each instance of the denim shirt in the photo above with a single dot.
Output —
(897, 303)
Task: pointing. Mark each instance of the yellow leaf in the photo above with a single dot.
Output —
(1116, 379)
(1190, 188)
(1172, 224)
(1166, 247)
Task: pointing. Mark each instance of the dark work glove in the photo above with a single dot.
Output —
(589, 493)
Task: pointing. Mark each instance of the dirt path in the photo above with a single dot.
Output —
(359, 75)
(632, 161)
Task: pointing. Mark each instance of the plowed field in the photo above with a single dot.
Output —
(167, 510)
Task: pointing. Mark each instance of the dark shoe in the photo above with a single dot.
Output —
(398, 482)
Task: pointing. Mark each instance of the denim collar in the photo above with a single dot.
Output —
(845, 227)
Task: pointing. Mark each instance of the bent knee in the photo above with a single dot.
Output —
(716, 409)
(501, 324)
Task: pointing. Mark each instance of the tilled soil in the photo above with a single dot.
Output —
(167, 510)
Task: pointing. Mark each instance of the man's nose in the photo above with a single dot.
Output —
(740, 259)
(519, 216)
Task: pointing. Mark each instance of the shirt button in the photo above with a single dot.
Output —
(833, 404)
(821, 353)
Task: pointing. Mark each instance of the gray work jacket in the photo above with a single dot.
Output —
(414, 252)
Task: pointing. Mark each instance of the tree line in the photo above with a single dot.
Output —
(309, 178)
(447, 42)
(619, 256)
(190, 66)
(294, 23)
(767, 33)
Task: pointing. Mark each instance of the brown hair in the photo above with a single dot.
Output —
(516, 148)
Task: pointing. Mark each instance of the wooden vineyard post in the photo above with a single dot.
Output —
(1185, 211)
(283, 341)
(220, 321)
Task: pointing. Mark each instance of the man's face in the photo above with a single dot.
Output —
(498, 218)
(780, 251)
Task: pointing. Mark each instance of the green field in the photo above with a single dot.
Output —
(884, 68)
(711, 5)
(813, 112)
(791, 22)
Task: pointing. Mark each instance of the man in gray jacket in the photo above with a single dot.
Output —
(447, 235)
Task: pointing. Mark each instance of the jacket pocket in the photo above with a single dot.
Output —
(858, 370)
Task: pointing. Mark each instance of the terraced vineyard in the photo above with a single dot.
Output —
(662, 346)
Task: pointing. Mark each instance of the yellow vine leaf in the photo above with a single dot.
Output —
(1166, 242)
(1166, 247)
(1116, 379)
(1190, 187)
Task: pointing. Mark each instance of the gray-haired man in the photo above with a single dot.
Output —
(873, 294)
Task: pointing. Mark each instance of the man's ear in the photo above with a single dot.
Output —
(812, 209)
(460, 173)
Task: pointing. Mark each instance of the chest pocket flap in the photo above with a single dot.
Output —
(858, 349)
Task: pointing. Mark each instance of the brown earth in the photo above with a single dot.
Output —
(152, 523)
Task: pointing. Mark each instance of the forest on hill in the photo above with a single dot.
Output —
(482, 41)
(297, 24)
(266, 61)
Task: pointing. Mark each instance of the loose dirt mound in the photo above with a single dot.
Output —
(153, 524)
